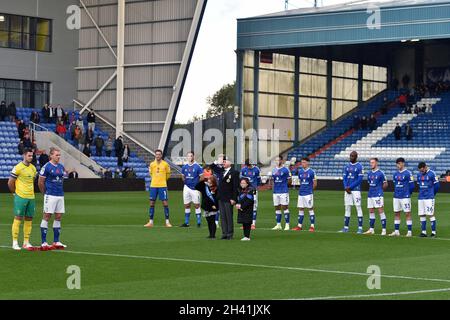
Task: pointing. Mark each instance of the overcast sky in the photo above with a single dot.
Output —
(214, 60)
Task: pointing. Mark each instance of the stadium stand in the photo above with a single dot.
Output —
(9, 140)
(329, 149)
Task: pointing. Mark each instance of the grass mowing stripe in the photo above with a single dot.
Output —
(237, 264)
(387, 294)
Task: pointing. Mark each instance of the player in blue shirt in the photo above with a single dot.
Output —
(253, 174)
(192, 173)
(352, 177)
(281, 178)
(308, 183)
(377, 184)
(403, 181)
(428, 187)
(50, 184)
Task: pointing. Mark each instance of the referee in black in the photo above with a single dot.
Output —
(227, 193)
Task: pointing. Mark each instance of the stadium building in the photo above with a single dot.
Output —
(125, 59)
(309, 72)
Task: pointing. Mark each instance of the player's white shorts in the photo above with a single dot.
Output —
(305, 201)
(255, 204)
(375, 203)
(190, 195)
(426, 207)
(353, 199)
(54, 204)
(280, 199)
(402, 205)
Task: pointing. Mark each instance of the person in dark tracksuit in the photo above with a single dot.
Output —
(210, 204)
(244, 205)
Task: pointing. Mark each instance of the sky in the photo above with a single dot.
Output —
(214, 61)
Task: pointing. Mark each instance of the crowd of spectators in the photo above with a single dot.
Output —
(364, 123)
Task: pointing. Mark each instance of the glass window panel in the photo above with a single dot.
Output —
(26, 24)
(339, 108)
(276, 82)
(43, 27)
(310, 65)
(345, 89)
(276, 105)
(343, 69)
(4, 22)
(249, 58)
(15, 40)
(311, 108)
(248, 79)
(308, 128)
(15, 23)
(280, 62)
(311, 85)
(4, 42)
(25, 41)
(42, 43)
(248, 123)
(248, 103)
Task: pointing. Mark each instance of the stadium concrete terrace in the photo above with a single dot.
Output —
(347, 59)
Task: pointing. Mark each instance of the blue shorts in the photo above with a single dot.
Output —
(159, 192)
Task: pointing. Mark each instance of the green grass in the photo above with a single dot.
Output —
(119, 259)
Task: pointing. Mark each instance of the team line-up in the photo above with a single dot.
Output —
(207, 188)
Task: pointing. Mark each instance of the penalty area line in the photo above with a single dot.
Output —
(238, 264)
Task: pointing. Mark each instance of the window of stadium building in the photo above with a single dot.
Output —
(24, 93)
(28, 33)
(374, 81)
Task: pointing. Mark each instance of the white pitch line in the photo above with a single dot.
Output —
(376, 295)
(237, 264)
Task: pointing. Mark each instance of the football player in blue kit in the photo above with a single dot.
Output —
(192, 174)
(428, 187)
(253, 174)
(377, 184)
(281, 178)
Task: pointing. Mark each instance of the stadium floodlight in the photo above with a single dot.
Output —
(415, 40)
(404, 41)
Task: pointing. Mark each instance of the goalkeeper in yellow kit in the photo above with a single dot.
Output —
(21, 184)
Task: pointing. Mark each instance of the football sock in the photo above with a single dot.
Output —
(255, 213)
(346, 222)
(433, 224)
(56, 230)
(44, 229)
(397, 225)
(409, 224)
(301, 216)
(372, 220)
(312, 218)
(15, 229)
(27, 226)
(360, 216)
(166, 212)
(187, 215)
(383, 220)
(198, 214)
(423, 223)
(151, 212)
(348, 212)
(287, 216)
(278, 216)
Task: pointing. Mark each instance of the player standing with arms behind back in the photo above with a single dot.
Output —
(21, 184)
(281, 177)
(353, 176)
(308, 183)
(253, 174)
(428, 187)
(192, 173)
(377, 184)
(159, 173)
(51, 179)
(404, 187)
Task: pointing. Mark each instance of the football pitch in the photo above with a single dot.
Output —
(120, 259)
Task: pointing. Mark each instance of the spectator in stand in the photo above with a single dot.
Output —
(356, 122)
(416, 109)
(73, 174)
(398, 132)
(80, 123)
(99, 143)
(45, 113)
(12, 111)
(429, 109)
(43, 159)
(109, 146)
(61, 129)
(90, 136)
(87, 150)
(409, 132)
(364, 123)
(20, 147)
(118, 147)
(372, 122)
(65, 118)
(79, 138)
(21, 129)
(51, 114)
(73, 117)
(385, 106)
(34, 145)
(91, 120)
(72, 128)
(108, 174)
(126, 153)
(402, 100)
(35, 118)
(3, 110)
(117, 174)
(59, 113)
(34, 161)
